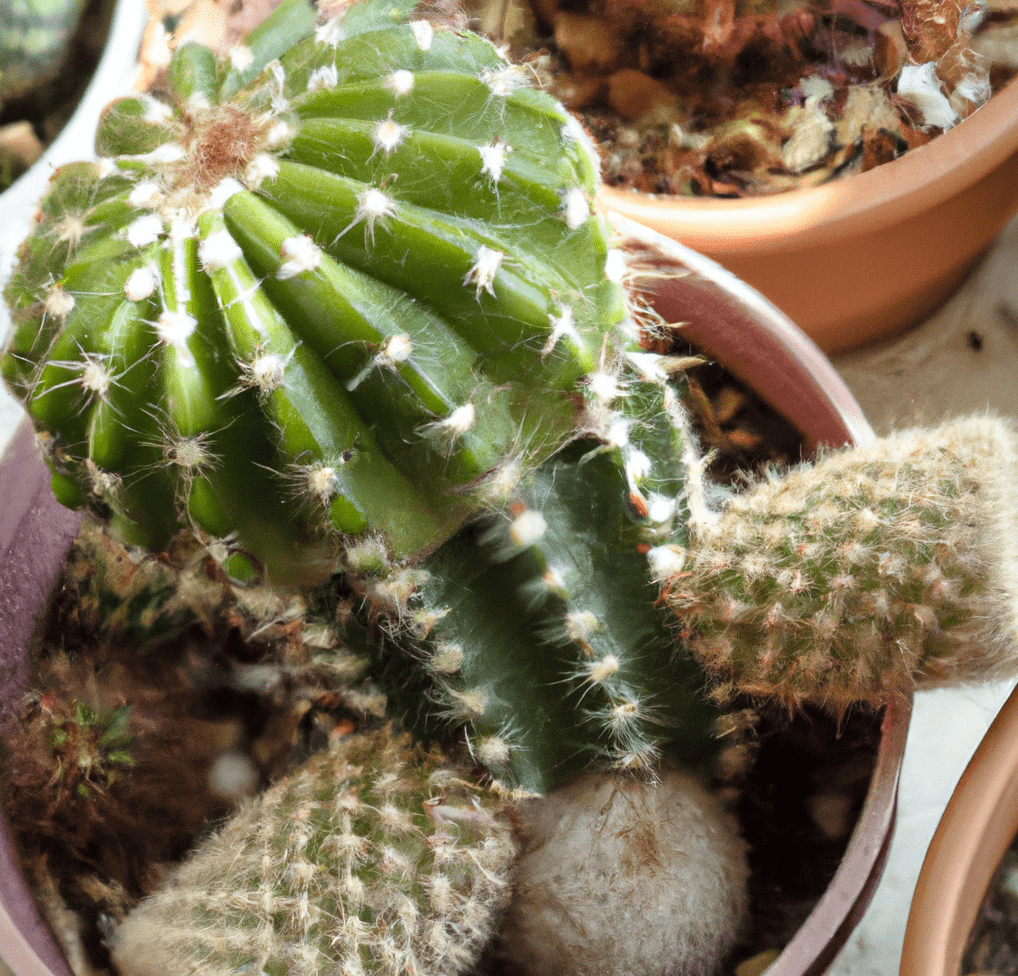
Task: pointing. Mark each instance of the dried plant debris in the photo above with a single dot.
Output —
(165, 696)
(750, 97)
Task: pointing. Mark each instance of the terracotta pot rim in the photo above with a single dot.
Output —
(976, 829)
(918, 180)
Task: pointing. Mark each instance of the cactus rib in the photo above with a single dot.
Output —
(357, 263)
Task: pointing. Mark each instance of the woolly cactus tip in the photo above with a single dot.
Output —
(873, 572)
(374, 857)
(617, 875)
(343, 289)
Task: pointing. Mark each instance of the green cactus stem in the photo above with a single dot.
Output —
(538, 626)
(374, 857)
(336, 290)
(872, 572)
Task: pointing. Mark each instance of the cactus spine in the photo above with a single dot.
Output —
(374, 857)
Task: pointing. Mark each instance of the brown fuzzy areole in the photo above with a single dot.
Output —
(220, 142)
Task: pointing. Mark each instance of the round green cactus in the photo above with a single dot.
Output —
(348, 295)
(374, 857)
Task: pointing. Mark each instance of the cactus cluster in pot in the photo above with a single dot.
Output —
(341, 304)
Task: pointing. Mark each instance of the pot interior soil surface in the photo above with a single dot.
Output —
(732, 98)
(163, 696)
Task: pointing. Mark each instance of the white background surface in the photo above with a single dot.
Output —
(931, 373)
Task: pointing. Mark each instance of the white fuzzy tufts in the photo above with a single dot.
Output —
(563, 326)
(615, 265)
(400, 82)
(164, 156)
(424, 33)
(493, 751)
(241, 57)
(175, 328)
(396, 349)
(502, 82)
(95, 378)
(598, 672)
(493, 157)
(330, 33)
(459, 420)
(59, 303)
(575, 207)
(919, 84)
(388, 135)
(281, 133)
(145, 230)
(222, 192)
(661, 508)
(527, 528)
(268, 372)
(485, 267)
(262, 167)
(618, 431)
(665, 562)
(448, 658)
(156, 112)
(323, 481)
(373, 205)
(648, 365)
(581, 625)
(140, 284)
(219, 250)
(300, 254)
(146, 196)
(324, 77)
(604, 387)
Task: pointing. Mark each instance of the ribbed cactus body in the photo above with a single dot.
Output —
(373, 857)
(350, 295)
(873, 571)
(538, 626)
(34, 39)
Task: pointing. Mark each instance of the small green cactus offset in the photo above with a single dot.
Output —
(374, 857)
(865, 575)
(347, 295)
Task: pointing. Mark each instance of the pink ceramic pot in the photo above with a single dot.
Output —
(728, 321)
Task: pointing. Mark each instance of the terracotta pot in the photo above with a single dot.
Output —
(726, 319)
(977, 827)
(868, 255)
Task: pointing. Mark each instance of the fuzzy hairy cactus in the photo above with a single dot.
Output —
(374, 857)
(347, 296)
(859, 577)
(620, 876)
